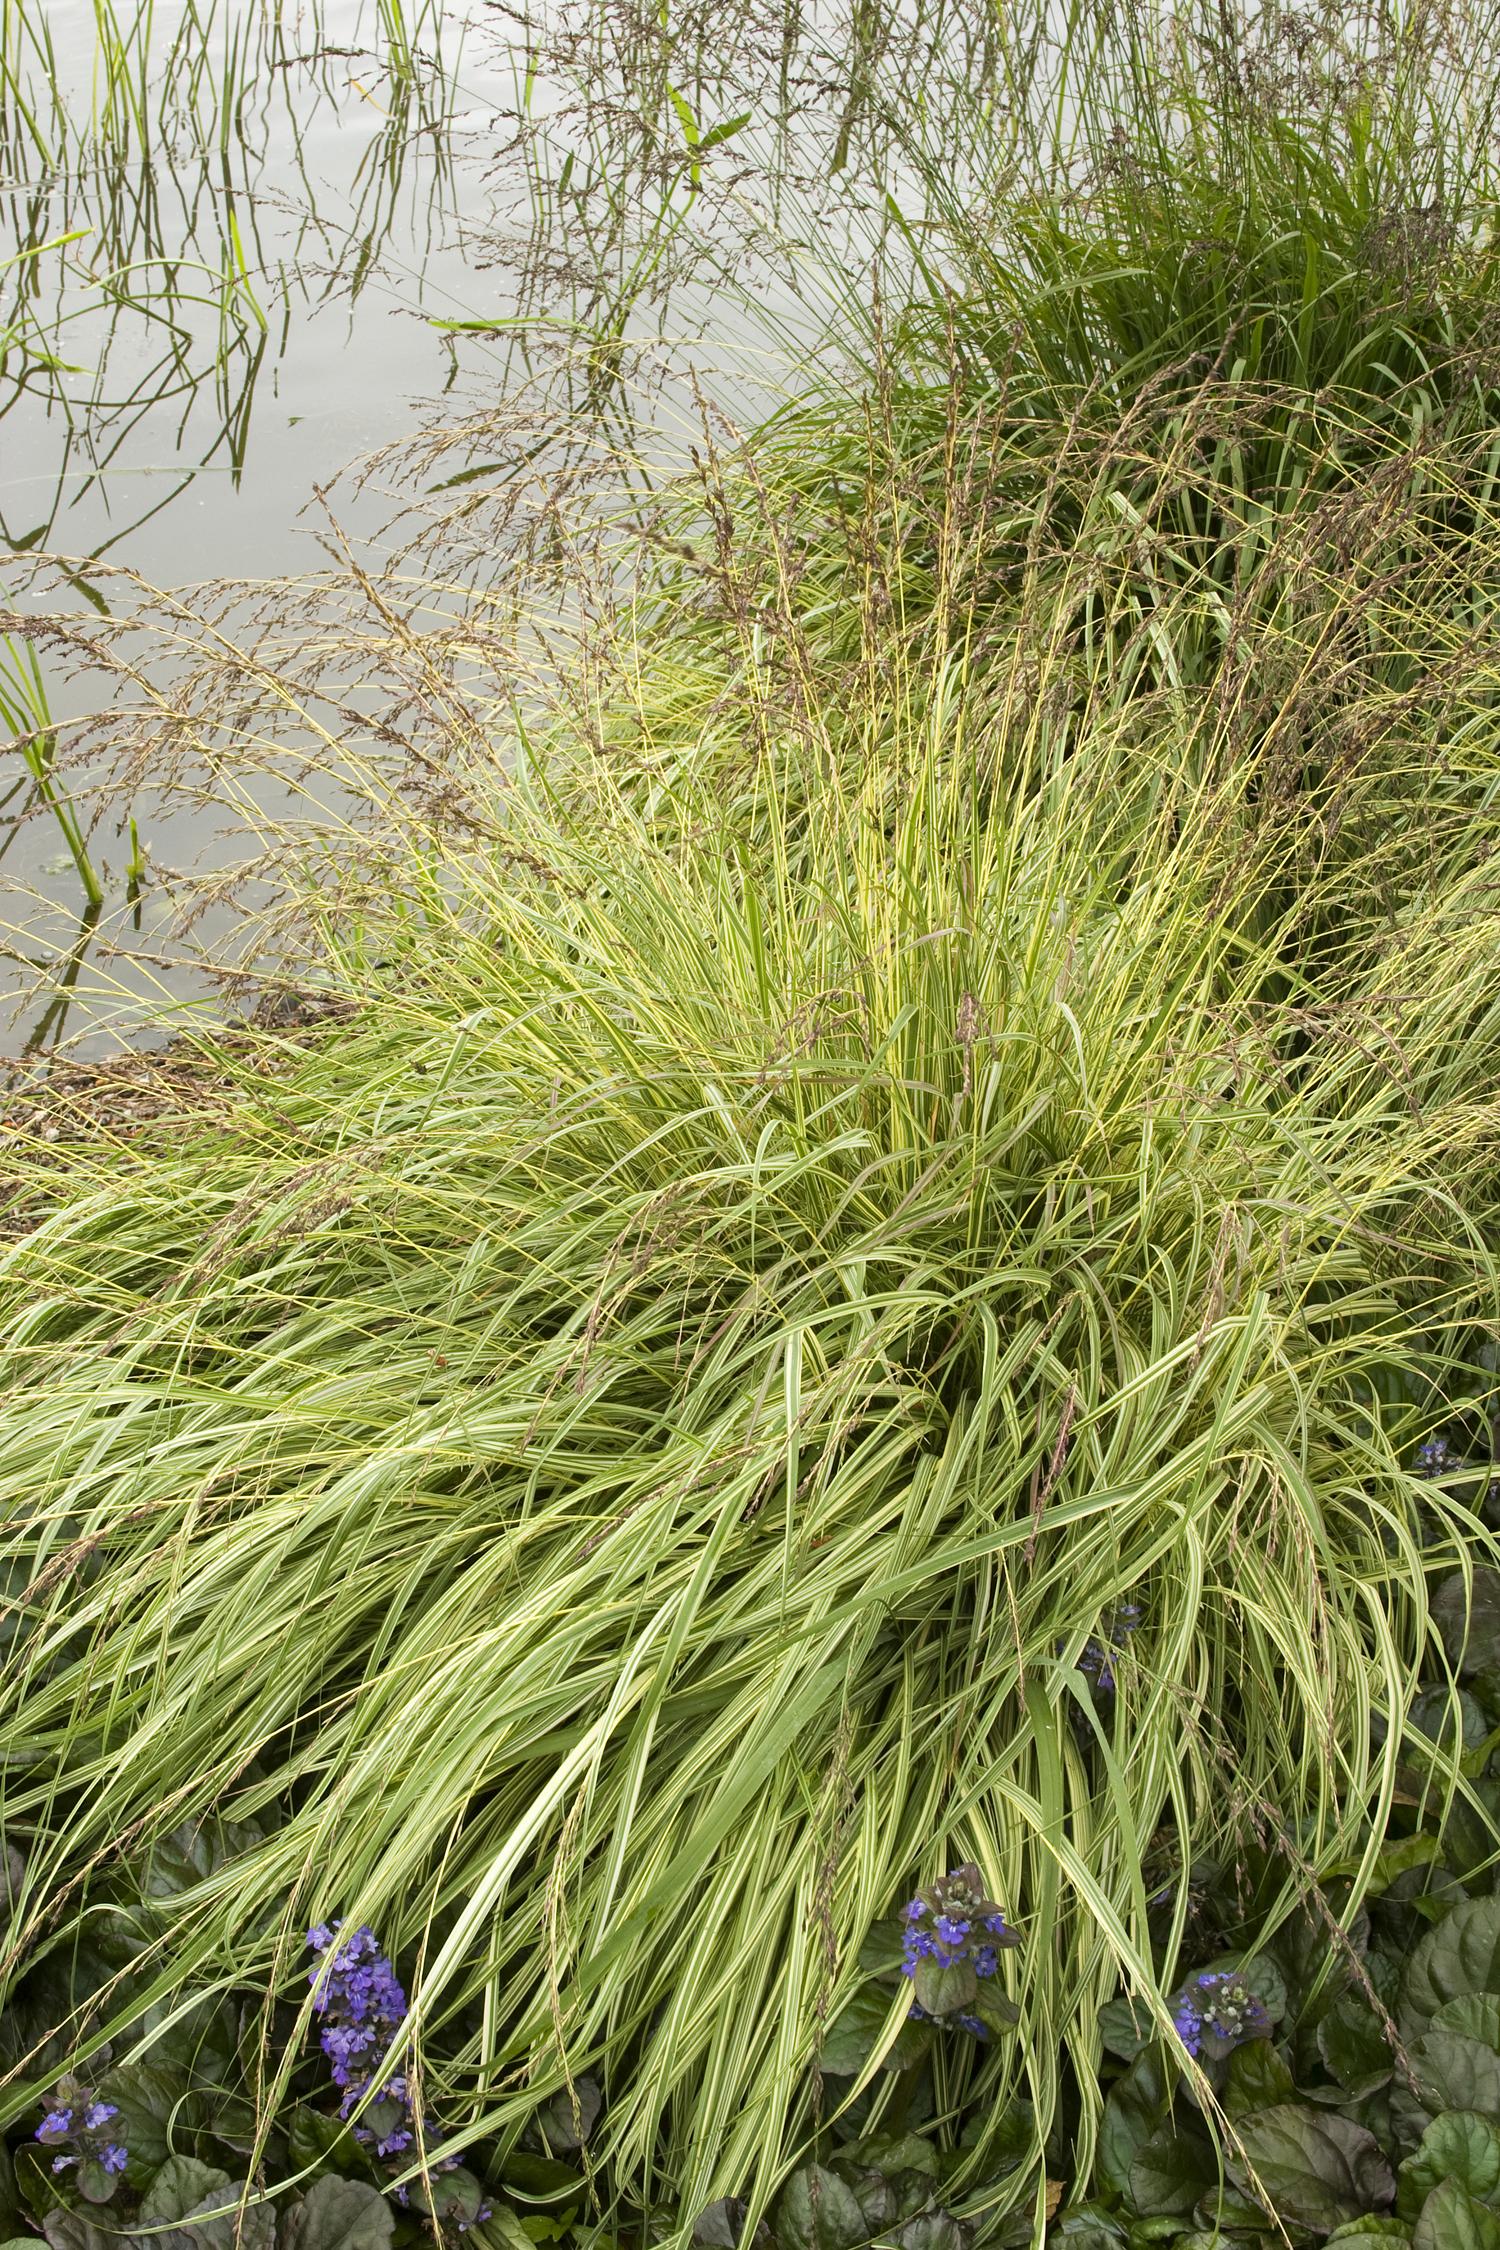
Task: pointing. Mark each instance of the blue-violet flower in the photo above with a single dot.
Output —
(1216, 2011)
(74, 2123)
(953, 1926)
(363, 2007)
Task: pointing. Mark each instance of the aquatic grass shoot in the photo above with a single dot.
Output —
(143, 260)
(26, 711)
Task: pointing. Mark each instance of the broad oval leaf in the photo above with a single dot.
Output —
(1433, 1714)
(1470, 1627)
(1462, 1954)
(945, 1991)
(881, 1949)
(898, 2154)
(818, 2211)
(339, 2215)
(1170, 2172)
(852, 2036)
(96, 2183)
(1257, 2076)
(191, 1852)
(1311, 2166)
(858, 2031)
(873, 2193)
(1352, 2043)
(1460, 2145)
(565, 2122)
(1087, 2229)
(1225, 2208)
(933, 2230)
(181, 2185)
(149, 2102)
(1451, 2072)
(71, 2230)
(911, 2196)
(1452, 2220)
(1475, 2014)
(1125, 2027)
(453, 2198)
(722, 2225)
(993, 2007)
(34, 2184)
(1135, 2107)
(317, 2142)
(1301, 1950)
(1373, 2227)
(226, 2218)
(540, 2177)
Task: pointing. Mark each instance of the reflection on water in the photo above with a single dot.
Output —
(243, 242)
(220, 226)
(182, 200)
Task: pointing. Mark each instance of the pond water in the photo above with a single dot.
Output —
(239, 244)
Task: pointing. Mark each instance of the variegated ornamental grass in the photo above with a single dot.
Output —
(612, 1456)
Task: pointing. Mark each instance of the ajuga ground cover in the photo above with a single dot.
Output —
(797, 1535)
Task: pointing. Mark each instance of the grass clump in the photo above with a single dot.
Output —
(842, 1325)
(1202, 314)
(609, 1465)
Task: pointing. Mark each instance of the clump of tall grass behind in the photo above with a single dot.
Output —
(608, 1463)
(1206, 316)
(1302, 204)
(1332, 688)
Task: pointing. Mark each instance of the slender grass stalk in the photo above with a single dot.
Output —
(28, 69)
(25, 709)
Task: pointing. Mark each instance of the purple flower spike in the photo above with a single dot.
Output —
(1096, 1659)
(74, 2127)
(953, 1925)
(1216, 2011)
(364, 2008)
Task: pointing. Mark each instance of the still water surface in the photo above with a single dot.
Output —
(239, 242)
